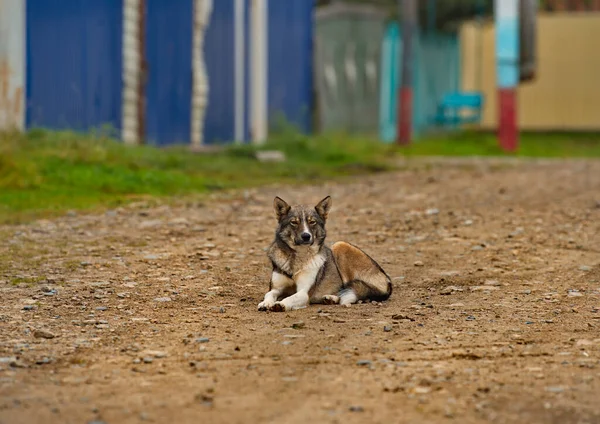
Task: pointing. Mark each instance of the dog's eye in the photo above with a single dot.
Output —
(311, 222)
(294, 223)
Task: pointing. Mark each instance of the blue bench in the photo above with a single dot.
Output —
(451, 108)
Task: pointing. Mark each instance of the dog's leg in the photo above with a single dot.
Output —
(363, 277)
(299, 300)
(279, 284)
(330, 299)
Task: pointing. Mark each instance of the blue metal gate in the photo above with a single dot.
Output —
(291, 61)
(73, 63)
(220, 63)
(169, 85)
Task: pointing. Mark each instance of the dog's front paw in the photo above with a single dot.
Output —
(277, 307)
(265, 306)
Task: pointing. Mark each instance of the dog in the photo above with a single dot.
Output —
(306, 271)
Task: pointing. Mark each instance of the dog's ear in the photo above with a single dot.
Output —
(281, 208)
(323, 207)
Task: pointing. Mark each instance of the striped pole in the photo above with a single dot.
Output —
(507, 65)
(200, 84)
(132, 59)
(259, 71)
(239, 91)
(409, 23)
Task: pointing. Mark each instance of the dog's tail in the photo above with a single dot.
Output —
(363, 278)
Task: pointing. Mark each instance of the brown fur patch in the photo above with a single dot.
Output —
(360, 272)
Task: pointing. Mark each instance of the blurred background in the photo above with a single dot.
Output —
(335, 80)
(152, 69)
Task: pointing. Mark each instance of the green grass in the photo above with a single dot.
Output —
(47, 173)
(552, 145)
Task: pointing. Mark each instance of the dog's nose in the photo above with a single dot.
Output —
(306, 237)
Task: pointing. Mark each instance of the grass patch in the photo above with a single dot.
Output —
(46, 173)
(29, 281)
(540, 145)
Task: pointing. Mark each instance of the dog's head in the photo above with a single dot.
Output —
(301, 225)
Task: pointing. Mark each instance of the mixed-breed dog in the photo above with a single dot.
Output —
(306, 271)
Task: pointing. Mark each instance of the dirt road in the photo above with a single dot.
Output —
(148, 313)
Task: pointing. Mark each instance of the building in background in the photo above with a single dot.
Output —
(565, 94)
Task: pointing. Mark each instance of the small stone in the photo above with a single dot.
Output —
(101, 308)
(364, 362)
(43, 361)
(298, 325)
(151, 257)
(356, 408)
(387, 328)
(43, 334)
(585, 268)
(555, 389)
(484, 288)
(471, 318)
(202, 340)
(150, 224)
(477, 248)
(158, 354)
(28, 307)
(148, 360)
(270, 156)
(432, 211)
(574, 293)
(449, 273)
(7, 359)
(163, 299)
(468, 222)
(419, 263)
(449, 290)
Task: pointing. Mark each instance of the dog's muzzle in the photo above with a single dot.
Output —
(305, 238)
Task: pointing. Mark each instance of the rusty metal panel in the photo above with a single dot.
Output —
(12, 64)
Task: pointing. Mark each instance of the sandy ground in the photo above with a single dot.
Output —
(148, 313)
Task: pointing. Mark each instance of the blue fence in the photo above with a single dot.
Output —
(169, 84)
(73, 63)
(74, 66)
(291, 61)
(219, 46)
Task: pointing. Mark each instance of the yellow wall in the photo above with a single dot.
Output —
(566, 92)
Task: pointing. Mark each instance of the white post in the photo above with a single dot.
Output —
(259, 70)
(12, 65)
(240, 69)
(202, 13)
(131, 71)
